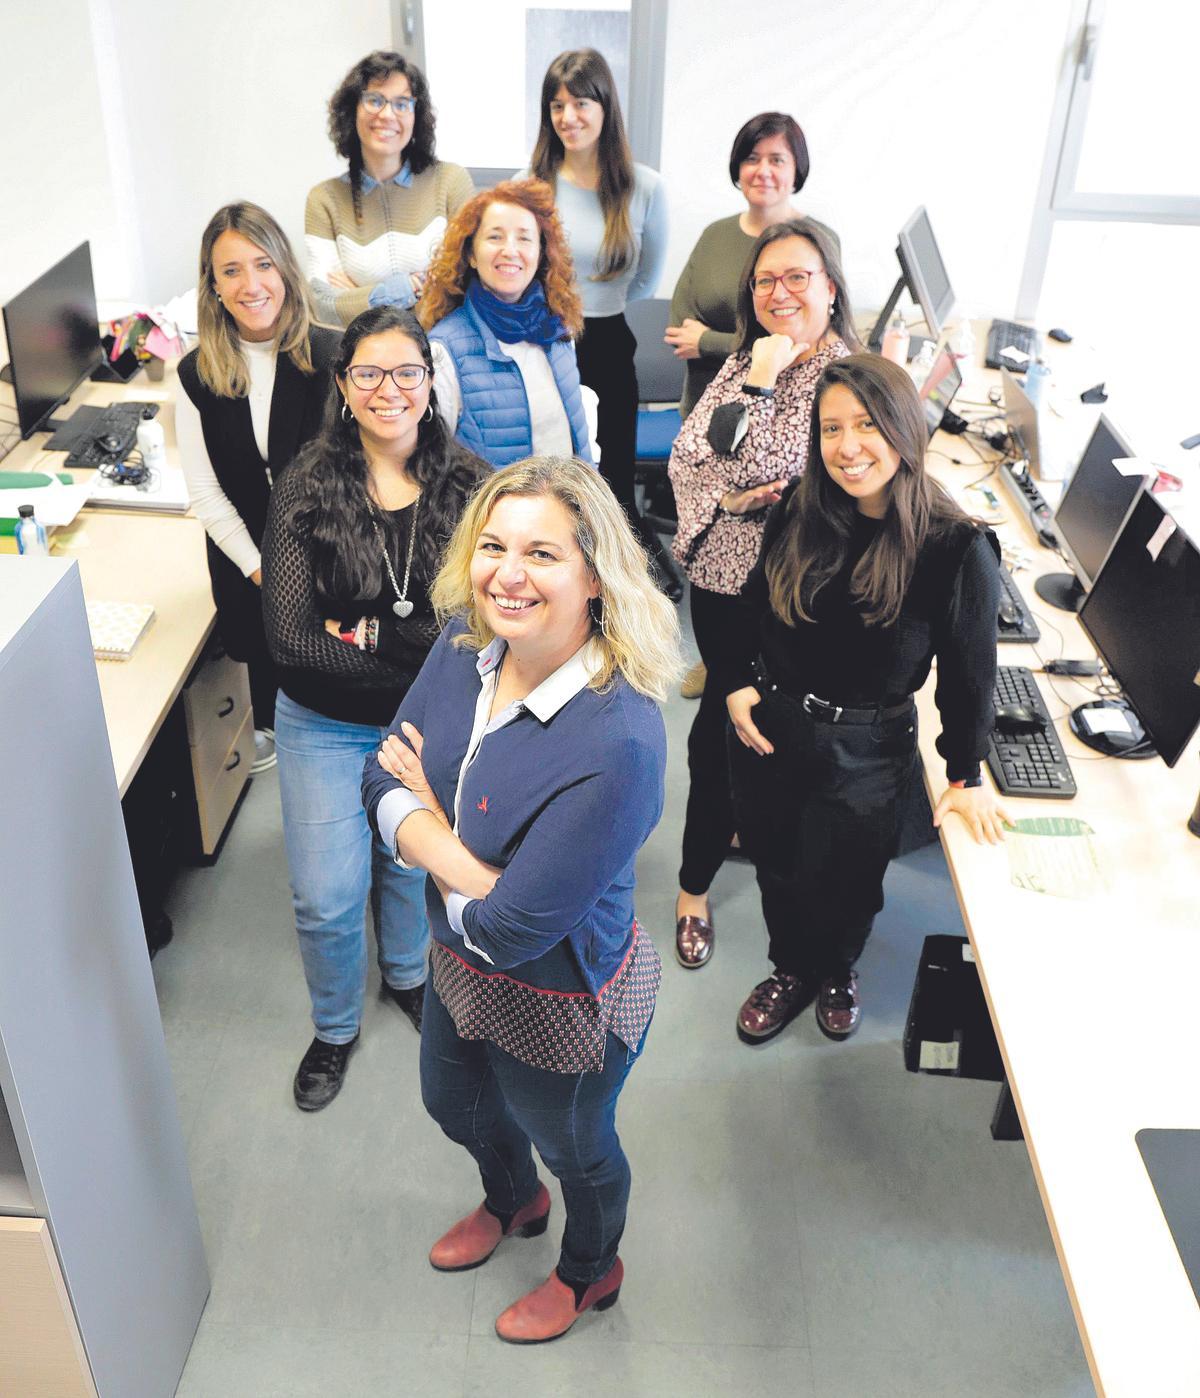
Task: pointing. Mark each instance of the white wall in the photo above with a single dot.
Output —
(150, 116)
(925, 102)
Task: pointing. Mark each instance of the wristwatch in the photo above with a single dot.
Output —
(969, 782)
(757, 391)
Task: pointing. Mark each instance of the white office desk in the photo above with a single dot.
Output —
(136, 557)
(1091, 1001)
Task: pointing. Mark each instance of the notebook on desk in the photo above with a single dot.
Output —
(116, 627)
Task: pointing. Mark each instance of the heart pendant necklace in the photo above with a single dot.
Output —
(402, 607)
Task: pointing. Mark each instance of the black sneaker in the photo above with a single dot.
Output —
(319, 1076)
(411, 1001)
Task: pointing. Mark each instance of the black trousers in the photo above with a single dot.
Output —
(605, 353)
(708, 824)
(821, 820)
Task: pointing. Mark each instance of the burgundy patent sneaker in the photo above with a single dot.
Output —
(694, 937)
(839, 1009)
(771, 1006)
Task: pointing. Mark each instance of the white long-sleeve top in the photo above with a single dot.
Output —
(213, 507)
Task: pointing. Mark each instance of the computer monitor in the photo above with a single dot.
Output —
(922, 274)
(1094, 506)
(53, 338)
(1143, 616)
(1022, 419)
(938, 390)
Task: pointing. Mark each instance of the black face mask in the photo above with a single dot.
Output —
(727, 427)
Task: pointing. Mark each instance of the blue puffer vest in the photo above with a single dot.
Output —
(495, 410)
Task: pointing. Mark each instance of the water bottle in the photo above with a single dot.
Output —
(962, 342)
(151, 441)
(1035, 381)
(922, 366)
(895, 341)
(31, 537)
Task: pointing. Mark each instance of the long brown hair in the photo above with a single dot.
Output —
(585, 73)
(450, 271)
(219, 361)
(812, 546)
(841, 318)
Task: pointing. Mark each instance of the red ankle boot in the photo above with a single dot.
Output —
(473, 1239)
(550, 1310)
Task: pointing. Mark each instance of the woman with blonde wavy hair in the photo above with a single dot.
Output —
(524, 771)
(252, 394)
(501, 310)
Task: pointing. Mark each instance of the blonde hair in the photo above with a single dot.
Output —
(638, 631)
(219, 362)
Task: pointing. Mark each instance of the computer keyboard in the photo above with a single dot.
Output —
(1007, 334)
(119, 420)
(1028, 764)
(1019, 625)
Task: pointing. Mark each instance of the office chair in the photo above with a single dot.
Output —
(660, 380)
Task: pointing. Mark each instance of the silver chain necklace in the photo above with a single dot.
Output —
(401, 606)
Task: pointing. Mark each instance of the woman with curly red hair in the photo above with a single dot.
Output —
(501, 310)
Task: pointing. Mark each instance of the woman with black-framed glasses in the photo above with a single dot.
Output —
(353, 538)
(745, 439)
(371, 233)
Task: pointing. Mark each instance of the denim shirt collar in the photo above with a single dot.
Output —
(402, 177)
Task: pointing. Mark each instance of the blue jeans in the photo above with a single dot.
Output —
(336, 863)
(496, 1107)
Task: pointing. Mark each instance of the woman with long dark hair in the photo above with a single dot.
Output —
(252, 393)
(868, 572)
(502, 309)
(353, 539)
(615, 215)
(748, 436)
(372, 231)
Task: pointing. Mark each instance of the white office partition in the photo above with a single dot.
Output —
(93, 1125)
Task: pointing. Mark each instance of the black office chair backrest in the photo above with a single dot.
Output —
(659, 373)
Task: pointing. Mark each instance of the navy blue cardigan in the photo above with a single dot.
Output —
(563, 807)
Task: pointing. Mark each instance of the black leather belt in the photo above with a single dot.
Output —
(824, 712)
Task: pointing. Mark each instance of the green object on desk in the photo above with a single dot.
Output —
(1055, 855)
(34, 480)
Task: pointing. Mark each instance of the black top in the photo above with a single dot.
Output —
(949, 612)
(319, 670)
(297, 402)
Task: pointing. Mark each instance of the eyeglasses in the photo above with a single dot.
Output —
(370, 376)
(376, 101)
(796, 280)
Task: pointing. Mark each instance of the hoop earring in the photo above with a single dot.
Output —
(346, 413)
(597, 613)
(428, 413)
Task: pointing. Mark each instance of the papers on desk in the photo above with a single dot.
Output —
(117, 627)
(163, 492)
(1056, 855)
(53, 503)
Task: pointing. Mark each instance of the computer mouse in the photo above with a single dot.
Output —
(1064, 337)
(110, 442)
(1009, 616)
(1017, 719)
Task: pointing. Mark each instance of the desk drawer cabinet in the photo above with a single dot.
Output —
(41, 1354)
(220, 729)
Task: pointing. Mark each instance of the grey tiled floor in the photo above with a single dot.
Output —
(807, 1217)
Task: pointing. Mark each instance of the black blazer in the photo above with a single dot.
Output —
(297, 404)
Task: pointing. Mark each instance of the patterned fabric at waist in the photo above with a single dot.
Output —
(558, 1031)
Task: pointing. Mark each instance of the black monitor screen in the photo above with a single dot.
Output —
(1095, 504)
(1143, 616)
(53, 337)
(938, 390)
(928, 280)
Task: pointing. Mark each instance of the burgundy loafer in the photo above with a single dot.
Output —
(770, 1007)
(839, 1009)
(694, 937)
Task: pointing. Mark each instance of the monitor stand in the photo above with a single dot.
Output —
(1126, 738)
(1061, 590)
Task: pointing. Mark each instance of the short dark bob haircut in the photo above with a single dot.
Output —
(420, 152)
(771, 124)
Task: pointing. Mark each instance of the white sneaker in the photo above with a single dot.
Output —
(264, 751)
